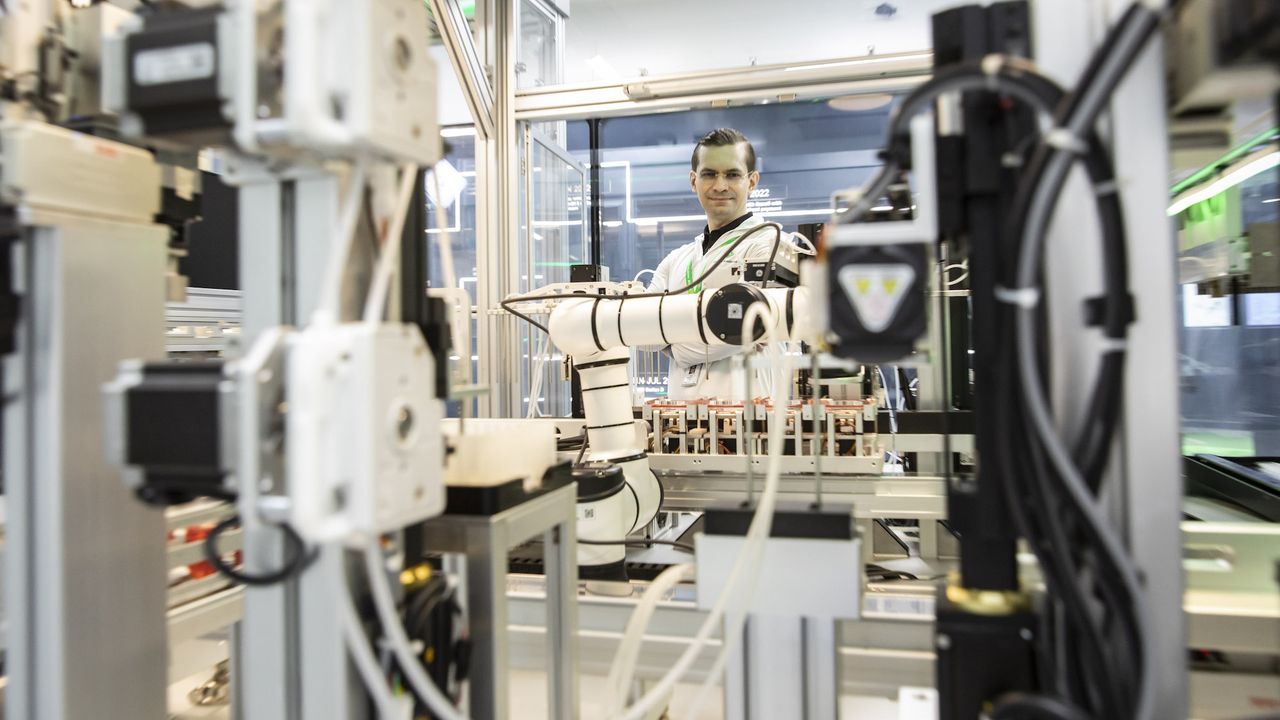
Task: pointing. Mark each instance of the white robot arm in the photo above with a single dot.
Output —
(595, 331)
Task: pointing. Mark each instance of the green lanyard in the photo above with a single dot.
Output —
(688, 272)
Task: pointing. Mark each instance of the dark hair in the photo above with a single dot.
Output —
(721, 137)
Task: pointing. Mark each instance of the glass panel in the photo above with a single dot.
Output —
(556, 238)
(612, 40)
(1230, 344)
(459, 203)
(539, 47)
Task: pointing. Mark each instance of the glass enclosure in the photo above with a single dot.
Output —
(458, 188)
(805, 152)
(554, 232)
(1230, 339)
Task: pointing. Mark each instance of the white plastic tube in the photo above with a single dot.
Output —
(448, 272)
(535, 379)
(624, 663)
(389, 706)
(393, 630)
(757, 533)
(376, 303)
(735, 626)
(331, 289)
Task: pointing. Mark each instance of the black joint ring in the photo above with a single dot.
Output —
(606, 387)
(602, 363)
(702, 332)
(614, 425)
(628, 458)
(662, 330)
(791, 314)
(621, 300)
(595, 336)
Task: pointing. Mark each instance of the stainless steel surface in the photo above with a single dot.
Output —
(208, 614)
(922, 497)
(887, 649)
(736, 464)
(85, 638)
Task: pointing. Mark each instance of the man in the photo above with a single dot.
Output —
(723, 174)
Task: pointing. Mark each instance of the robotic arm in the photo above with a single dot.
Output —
(595, 331)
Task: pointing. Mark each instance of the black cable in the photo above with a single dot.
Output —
(642, 542)
(1094, 440)
(298, 562)
(1020, 706)
(1081, 111)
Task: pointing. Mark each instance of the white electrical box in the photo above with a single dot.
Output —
(363, 441)
(377, 94)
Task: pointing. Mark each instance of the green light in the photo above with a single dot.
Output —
(1208, 170)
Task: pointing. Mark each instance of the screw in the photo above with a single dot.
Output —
(404, 422)
(403, 53)
(1025, 634)
(943, 642)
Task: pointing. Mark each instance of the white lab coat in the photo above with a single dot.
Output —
(708, 371)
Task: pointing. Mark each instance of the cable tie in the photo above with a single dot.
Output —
(1114, 344)
(1025, 298)
(1106, 187)
(991, 66)
(1063, 139)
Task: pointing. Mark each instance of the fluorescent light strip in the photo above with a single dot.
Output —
(859, 61)
(1246, 168)
(457, 132)
(1271, 200)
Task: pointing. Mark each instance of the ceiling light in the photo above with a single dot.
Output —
(860, 103)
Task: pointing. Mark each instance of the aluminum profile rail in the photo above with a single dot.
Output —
(862, 75)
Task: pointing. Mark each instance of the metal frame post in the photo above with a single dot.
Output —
(289, 658)
(85, 638)
(486, 541)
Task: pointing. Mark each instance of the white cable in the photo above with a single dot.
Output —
(393, 631)
(389, 706)
(449, 274)
(646, 270)
(956, 266)
(376, 303)
(757, 533)
(1034, 234)
(809, 248)
(893, 414)
(447, 271)
(624, 662)
(736, 624)
(327, 311)
(535, 379)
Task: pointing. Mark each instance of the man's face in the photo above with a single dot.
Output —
(723, 183)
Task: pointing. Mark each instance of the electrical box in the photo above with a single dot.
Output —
(363, 442)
